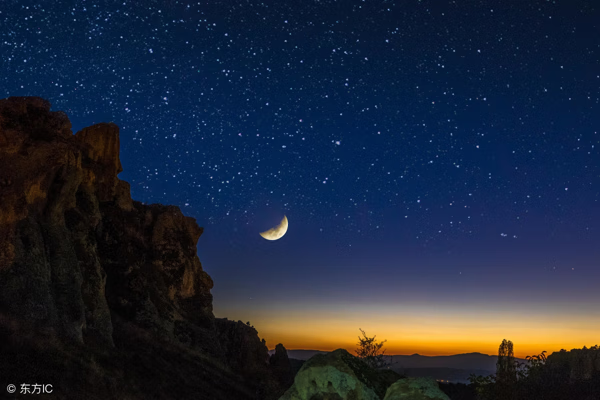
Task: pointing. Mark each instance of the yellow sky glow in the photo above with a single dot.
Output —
(423, 330)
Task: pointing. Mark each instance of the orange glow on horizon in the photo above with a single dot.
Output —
(433, 349)
(426, 331)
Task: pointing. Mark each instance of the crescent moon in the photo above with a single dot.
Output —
(276, 232)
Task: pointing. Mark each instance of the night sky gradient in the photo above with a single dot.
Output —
(438, 161)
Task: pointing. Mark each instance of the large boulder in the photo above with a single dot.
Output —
(337, 376)
(415, 389)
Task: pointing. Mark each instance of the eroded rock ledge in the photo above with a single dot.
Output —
(82, 264)
(75, 247)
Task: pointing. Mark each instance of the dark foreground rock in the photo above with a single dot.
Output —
(102, 296)
(282, 366)
(296, 365)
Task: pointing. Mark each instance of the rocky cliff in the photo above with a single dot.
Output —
(96, 283)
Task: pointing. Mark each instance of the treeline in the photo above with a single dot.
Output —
(563, 375)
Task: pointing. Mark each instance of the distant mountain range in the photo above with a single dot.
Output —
(454, 368)
(458, 361)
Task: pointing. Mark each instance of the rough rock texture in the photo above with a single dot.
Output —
(241, 345)
(75, 247)
(415, 389)
(247, 355)
(281, 366)
(337, 376)
(86, 271)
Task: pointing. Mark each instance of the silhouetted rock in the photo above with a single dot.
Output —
(415, 389)
(248, 356)
(281, 366)
(98, 286)
(241, 346)
(296, 365)
(338, 375)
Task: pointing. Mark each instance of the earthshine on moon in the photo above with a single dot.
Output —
(276, 232)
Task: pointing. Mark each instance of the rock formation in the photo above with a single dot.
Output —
(415, 389)
(281, 366)
(75, 247)
(95, 283)
(339, 375)
(241, 345)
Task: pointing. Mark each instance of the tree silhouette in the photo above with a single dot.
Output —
(506, 371)
(370, 351)
(562, 375)
(505, 367)
(538, 360)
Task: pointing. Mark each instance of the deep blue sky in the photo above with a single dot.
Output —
(424, 152)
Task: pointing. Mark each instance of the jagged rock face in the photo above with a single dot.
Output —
(75, 248)
(41, 171)
(241, 345)
(337, 375)
(281, 366)
(415, 389)
(247, 355)
(99, 294)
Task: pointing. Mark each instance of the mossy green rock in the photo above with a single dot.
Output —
(415, 389)
(337, 376)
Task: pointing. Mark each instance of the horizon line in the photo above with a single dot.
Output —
(389, 355)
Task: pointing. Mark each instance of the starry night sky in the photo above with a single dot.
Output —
(438, 161)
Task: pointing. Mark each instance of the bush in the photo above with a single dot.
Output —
(370, 351)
